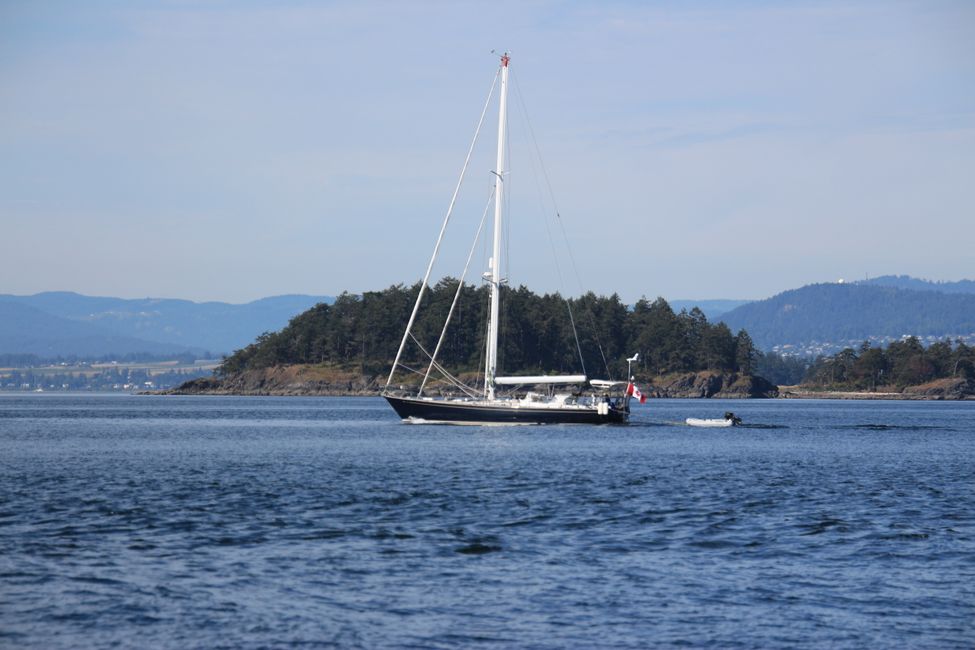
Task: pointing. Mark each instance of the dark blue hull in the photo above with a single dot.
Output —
(458, 412)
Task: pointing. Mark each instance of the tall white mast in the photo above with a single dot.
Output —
(495, 262)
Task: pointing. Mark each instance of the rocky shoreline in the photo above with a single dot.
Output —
(295, 380)
(951, 388)
(708, 384)
(315, 380)
(306, 380)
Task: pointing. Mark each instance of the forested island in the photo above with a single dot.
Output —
(347, 347)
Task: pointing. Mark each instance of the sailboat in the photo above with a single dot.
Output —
(564, 399)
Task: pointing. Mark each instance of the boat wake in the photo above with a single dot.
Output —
(892, 427)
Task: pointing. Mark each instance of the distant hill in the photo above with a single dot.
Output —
(25, 330)
(843, 314)
(907, 282)
(218, 327)
(711, 308)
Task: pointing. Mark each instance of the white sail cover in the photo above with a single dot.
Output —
(541, 379)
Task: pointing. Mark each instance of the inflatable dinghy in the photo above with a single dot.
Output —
(729, 420)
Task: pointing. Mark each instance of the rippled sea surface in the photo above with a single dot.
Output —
(205, 522)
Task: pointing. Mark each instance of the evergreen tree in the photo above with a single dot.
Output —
(745, 353)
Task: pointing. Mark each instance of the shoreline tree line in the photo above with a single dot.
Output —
(902, 363)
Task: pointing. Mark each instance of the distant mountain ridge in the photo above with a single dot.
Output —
(26, 330)
(844, 313)
(917, 284)
(120, 326)
(60, 323)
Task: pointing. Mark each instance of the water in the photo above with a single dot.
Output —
(205, 522)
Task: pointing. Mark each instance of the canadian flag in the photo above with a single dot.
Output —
(635, 392)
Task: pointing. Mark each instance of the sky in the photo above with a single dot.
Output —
(235, 150)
